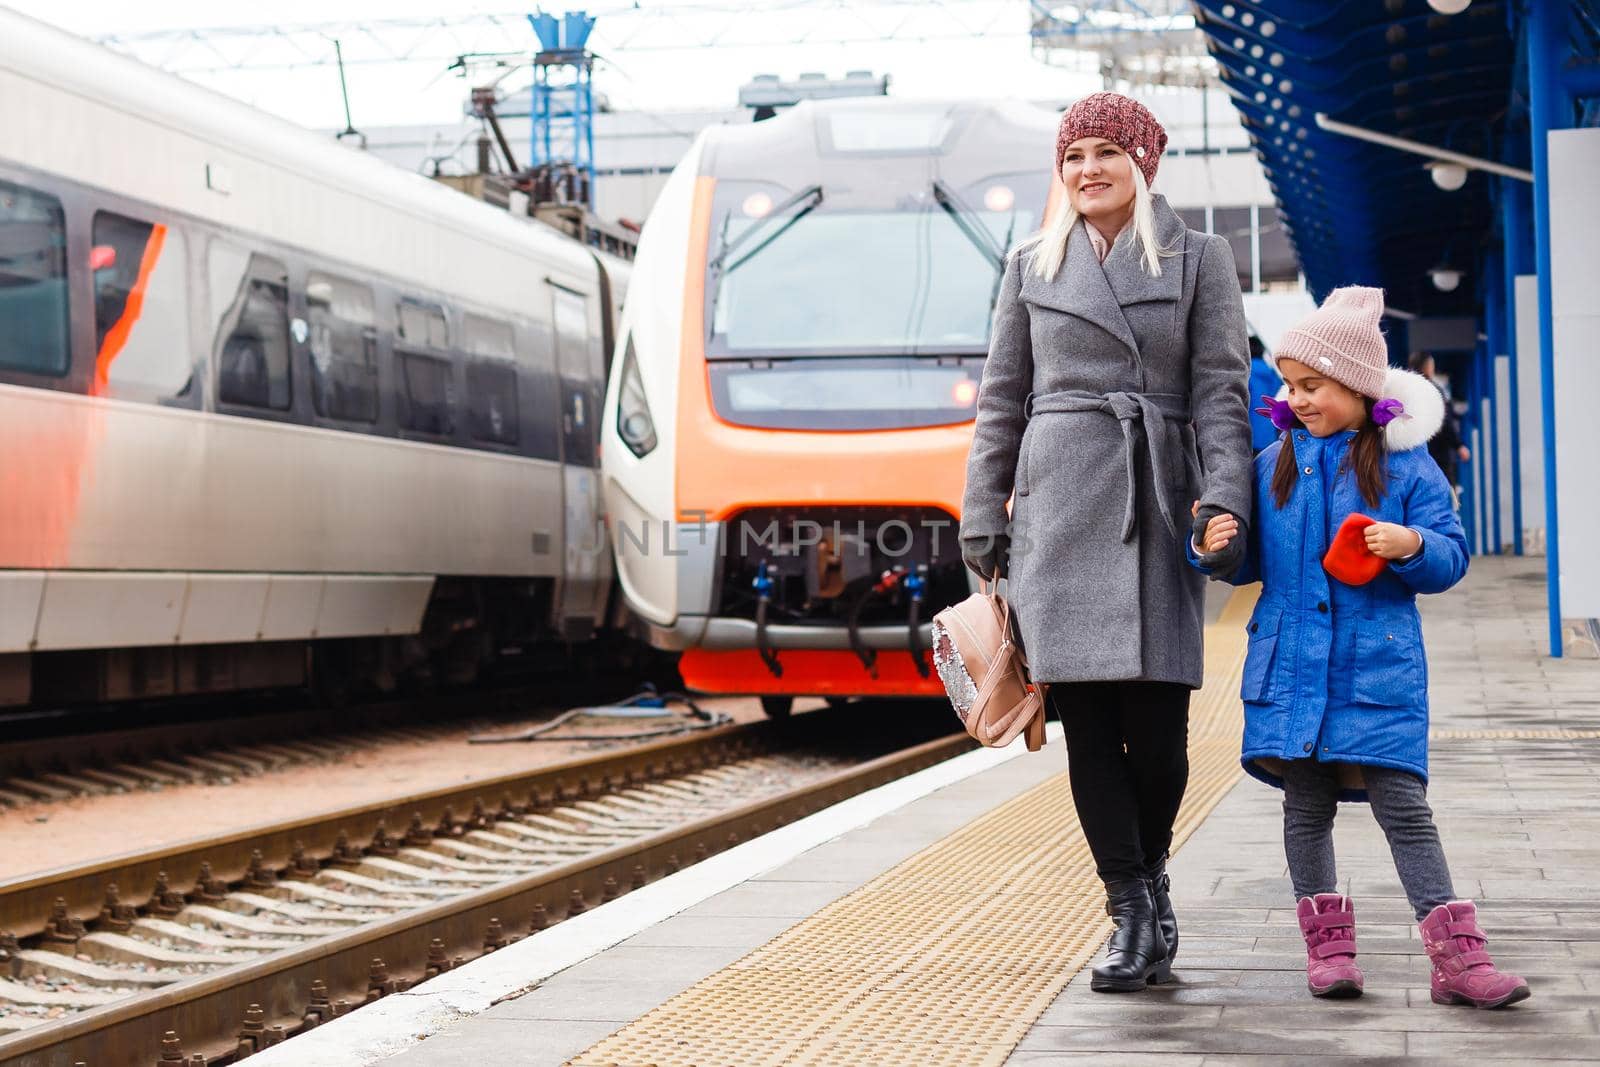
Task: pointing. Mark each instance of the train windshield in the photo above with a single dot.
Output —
(815, 278)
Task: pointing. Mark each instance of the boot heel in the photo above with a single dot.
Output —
(1163, 972)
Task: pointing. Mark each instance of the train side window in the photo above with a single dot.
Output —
(491, 381)
(430, 394)
(422, 326)
(489, 337)
(344, 348)
(253, 356)
(34, 336)
(492, 400)
(141, 308)
(426, 374)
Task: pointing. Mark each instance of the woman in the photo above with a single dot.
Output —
(1113, 396)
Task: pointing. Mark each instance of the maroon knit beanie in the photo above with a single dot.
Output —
(1120, 120)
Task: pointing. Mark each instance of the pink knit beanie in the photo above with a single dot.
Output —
(1120, 120)
(1341, 340)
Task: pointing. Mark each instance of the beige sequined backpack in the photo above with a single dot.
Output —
(984, 671)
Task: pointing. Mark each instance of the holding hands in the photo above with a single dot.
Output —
(1219, 531)
(1218, 538)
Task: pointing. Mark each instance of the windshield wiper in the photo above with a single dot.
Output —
(807, 200)
(966, 220)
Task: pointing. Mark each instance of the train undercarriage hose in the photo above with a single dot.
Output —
(916, 583)
(867, 656)
(763, 587)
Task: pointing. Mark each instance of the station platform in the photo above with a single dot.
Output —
(948, 918)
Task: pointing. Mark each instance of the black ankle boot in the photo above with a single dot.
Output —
(1161, 897)
(1136, 953)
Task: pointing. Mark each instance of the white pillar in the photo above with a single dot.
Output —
(1575, 279)
(1530, 414)
(1502, 431)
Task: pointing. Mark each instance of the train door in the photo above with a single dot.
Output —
(587, 565)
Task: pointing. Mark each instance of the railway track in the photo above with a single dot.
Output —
(190, 743)
(205, 952)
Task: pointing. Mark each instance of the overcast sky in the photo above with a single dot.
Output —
(652, 54)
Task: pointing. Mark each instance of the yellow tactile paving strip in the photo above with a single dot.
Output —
(949, 957)
(1515, 735)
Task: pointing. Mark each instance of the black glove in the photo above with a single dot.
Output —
(1220, 564)
(988, 556)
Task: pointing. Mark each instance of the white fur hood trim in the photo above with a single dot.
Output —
(1424, 414)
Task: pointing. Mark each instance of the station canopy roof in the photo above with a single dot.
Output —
(1360, 213)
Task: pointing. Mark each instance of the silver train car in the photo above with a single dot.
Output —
(272, 411)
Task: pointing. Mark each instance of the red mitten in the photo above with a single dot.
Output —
(1349, 559)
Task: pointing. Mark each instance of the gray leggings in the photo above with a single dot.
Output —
(1400, 804)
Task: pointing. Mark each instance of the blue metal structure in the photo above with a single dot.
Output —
(1489, 82)
(562, 100)
(1360, 213)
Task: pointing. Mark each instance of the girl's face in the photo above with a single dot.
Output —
(1322, 404)
(1099, 178)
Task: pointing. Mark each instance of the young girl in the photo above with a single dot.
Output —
(1336, 680)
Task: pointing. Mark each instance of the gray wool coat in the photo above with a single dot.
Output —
(1110, 401)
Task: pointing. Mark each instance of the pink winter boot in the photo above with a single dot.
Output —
(1463, 973)
(1328, 922)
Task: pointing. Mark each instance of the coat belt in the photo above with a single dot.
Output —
(1152, 414)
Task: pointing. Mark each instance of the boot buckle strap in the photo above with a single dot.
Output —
(1334, 948)
(1465, 961)
(1465, 929)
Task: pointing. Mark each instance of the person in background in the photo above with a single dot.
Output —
(1447, 449)
(1264, 382)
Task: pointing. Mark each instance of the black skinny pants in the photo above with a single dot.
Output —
(1128, 762)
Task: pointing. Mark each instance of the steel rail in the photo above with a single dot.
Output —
(217, 1014)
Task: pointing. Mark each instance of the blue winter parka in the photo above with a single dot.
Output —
(1336, 672)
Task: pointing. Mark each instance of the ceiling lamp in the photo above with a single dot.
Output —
(1445, 278)
(1447, 175)
(1449, 7)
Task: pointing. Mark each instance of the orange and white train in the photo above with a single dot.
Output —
(788, 416)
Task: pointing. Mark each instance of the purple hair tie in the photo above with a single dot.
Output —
(1278, 411)
(1386, 411)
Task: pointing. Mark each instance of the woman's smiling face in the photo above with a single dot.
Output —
(1322, 404)
(1099, 178)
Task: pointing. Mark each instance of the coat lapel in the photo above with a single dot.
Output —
(1125, 271)
(1081, 288)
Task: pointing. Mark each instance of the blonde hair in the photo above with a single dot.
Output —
(1050, 244)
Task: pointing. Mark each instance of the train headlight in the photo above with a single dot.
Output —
(634, 423)
(999, 198)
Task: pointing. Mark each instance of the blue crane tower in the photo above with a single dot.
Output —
(562, 108)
